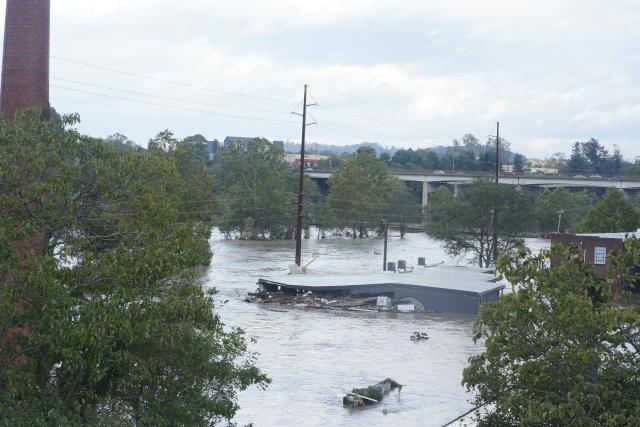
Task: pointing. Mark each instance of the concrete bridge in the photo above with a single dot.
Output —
(431, 181)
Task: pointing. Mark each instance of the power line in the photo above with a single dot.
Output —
(386, 122)
(324, 124)
(167, 98)
(272, 99)
(236, 116)
(171, 82)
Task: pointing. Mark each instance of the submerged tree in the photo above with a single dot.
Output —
(107, 324)
(259, 191)
(361, 193)
(557, 351)
(561, 210)
(468, 223)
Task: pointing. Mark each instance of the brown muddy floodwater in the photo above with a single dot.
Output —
(315, 356)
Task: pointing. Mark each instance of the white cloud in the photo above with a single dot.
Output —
(550, 71)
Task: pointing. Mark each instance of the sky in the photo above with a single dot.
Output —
(404, 73)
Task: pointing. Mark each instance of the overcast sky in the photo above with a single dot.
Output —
(409, 73)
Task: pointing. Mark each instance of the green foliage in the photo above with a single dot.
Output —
(199, 147)
(624, 267)
(557, 352)
(469, 155)
(563, 207)
(417, 159)
(591, 157)
(467, 223)
(361, 193)
(614, 213)
(402, 207)
(109, 324)
(260, 191)
(519, 163)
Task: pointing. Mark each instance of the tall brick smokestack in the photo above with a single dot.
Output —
(25, 65)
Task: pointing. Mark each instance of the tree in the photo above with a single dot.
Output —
(385, 157)
(360, 191)
(597, 156)
(163, 141)
(470, 141)
(429, 159)
(557, 351)
(615, 162)
(518, 163)
(577, 162)
(402, 208)
(259, 192)
(560, 210)
(122, 142)
(109, 324)
(199, 147)
(467, 224)
(408, 159)
(614, 213)
(488, 155)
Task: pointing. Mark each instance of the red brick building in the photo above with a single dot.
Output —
(597, 248)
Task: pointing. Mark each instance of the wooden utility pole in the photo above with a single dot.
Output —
(301, 179)
(495, 211)
(497, 152)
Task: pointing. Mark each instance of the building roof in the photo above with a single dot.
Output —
(462, 279)
(618, 236)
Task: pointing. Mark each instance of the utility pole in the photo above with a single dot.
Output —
(386, 243)
(495, 213)
(497, 152)
(301, 179)
(560, 212)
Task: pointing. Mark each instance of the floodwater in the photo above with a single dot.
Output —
(315, 356)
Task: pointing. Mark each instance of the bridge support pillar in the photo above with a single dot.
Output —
(427, 188)
(630, 193)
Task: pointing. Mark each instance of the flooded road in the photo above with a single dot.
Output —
(315, 356)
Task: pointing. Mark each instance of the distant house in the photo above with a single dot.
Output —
(310, 160)
(547, 167)
(597, 247)
(246, 142)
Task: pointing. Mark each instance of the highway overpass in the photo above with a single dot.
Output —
(430, 181)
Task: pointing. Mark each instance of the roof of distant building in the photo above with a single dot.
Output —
(232, 139)
(619, 236)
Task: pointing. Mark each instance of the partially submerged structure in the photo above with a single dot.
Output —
(596, 247)
(440, 289)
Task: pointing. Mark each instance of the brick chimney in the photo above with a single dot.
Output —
(25, 65)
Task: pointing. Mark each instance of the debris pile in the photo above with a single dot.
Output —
(311, 300)
(361, 397)
(419, 336)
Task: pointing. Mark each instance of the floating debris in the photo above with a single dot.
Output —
(361, 397)
(419, 336)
